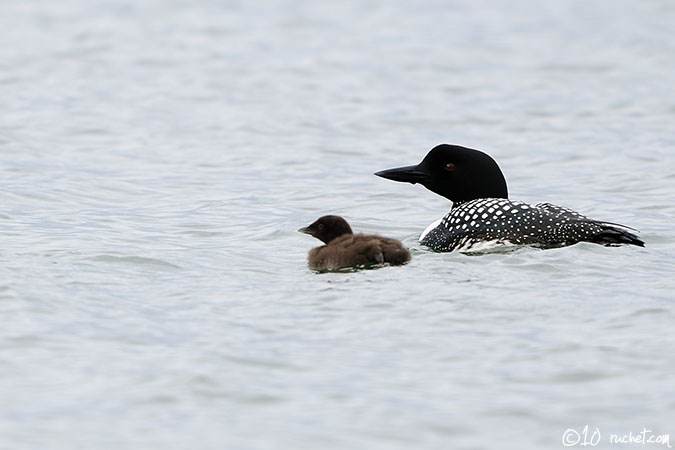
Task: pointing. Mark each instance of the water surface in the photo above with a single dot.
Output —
(157, 158)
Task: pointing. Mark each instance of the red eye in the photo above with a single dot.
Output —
(449, 167)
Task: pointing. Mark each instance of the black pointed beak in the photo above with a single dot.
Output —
(305, 230)
(408, 174)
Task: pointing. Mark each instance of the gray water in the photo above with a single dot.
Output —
(157, 158)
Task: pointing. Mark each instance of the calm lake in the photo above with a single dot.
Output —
(157, 158)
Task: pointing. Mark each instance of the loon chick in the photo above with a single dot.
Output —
(482, 216)
(346, 249)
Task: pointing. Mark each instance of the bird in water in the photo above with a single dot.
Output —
(482, 216)
(345, 249)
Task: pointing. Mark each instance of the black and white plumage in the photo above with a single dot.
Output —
(482, 224)
(483, 217)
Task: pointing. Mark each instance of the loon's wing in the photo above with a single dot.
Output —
(559, 210)
(606, 233)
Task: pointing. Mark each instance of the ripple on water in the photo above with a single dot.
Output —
(138, 261)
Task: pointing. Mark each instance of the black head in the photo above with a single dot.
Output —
(327, 228)
(457, 173)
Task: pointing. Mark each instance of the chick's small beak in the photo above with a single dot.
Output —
(305, 230)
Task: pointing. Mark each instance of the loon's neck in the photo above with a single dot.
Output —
(458, 203)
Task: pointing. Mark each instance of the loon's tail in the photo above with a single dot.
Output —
(615, 234)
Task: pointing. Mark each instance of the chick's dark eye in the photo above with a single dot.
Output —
(449, 167)
(320, 226)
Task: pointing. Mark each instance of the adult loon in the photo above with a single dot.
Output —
(345, 249)
(483, 217)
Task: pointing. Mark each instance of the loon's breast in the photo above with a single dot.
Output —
(484, 223)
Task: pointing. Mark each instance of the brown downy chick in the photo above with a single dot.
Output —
(345, 249)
